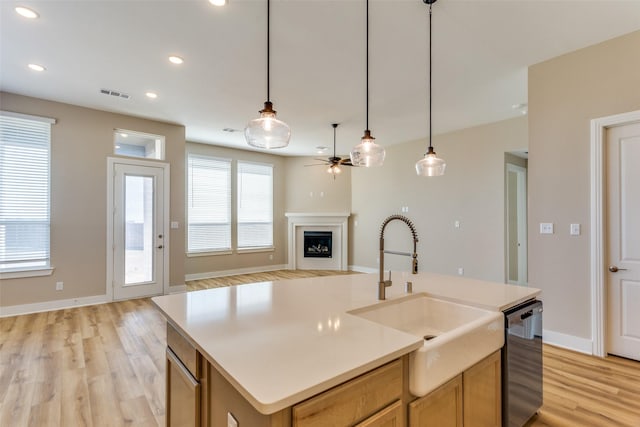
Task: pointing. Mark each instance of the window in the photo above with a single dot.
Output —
(24, 192)
(208, 204)
(137, 144)
(255, 205)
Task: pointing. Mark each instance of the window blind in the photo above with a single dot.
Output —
(24, 192)
(208, 204)
(255, 205)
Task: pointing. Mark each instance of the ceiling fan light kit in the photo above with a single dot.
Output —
(334, 162)
(267, 131)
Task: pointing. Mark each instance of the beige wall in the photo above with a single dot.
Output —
(565, 93)
(312, 189)
(203, 266)
(471, 191)
(81, 141)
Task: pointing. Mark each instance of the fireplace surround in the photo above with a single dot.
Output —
(337, 224)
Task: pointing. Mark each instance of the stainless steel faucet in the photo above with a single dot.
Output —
(383, 284)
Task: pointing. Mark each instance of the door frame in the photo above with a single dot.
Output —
(598, 210)
(521, 203)
(111, 162)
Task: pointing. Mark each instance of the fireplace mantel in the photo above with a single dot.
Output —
(338, 222)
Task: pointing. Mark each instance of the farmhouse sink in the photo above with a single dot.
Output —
(456, 336)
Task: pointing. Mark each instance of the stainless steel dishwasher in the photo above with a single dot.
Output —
(522, 363)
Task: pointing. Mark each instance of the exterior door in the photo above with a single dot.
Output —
(138, 231)
(623, 240)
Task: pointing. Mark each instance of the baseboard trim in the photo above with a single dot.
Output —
(177, 289)
(248, 270)
(39, 307)
(362, 269)
(570, 342)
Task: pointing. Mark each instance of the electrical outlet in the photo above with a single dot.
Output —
(231, 421)
(456, 224)
(59, 286)
(460, 271)
(270, 257)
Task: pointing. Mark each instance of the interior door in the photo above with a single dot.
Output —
(623, 240)
(516, 180)
(138, 227)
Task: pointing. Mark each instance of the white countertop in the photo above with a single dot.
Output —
(279, 343)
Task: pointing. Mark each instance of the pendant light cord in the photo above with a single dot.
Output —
(430, 121)
(367, 66)
(268, 50)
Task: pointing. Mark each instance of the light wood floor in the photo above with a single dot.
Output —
(104, 365)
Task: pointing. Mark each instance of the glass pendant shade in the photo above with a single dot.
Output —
(430, 165)
(367, 153)
(267, 131)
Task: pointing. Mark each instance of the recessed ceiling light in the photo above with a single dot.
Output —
(321, 149)
(218, 2)
(36, 67)
(26, 12)
(176, 59)
(151, 95)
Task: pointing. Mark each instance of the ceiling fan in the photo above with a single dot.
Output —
(334, 162)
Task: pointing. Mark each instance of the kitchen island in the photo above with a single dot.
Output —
(256, 351)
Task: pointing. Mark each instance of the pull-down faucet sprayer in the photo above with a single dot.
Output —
(382, 284)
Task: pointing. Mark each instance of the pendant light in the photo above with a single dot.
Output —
(367, 153)
(267, 131)
(430, 164)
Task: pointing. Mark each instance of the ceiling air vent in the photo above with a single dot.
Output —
(115, 93)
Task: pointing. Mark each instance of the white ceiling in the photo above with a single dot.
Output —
(481, 51)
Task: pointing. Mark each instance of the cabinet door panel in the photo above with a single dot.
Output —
(440, 408)
(353, 401)
(391, 416)
(183, 394)
(482, 393)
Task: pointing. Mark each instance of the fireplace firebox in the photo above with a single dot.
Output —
(318, 244)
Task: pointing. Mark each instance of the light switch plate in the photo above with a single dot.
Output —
(546, 228)
(574, 230)
(175, 225)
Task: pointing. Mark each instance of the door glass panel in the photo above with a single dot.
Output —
(139, 227)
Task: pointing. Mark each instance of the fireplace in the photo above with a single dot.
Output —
(335, 223)
(318, 244)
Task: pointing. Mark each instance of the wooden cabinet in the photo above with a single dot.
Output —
(183, 394)
(351, 402)
(440, 408)
(482, 393)
(185, 378)
(391, 416)
(471, 399)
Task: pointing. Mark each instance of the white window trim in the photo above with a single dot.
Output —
(210, 252)
(20, 273)
(251, 249)
(25, 272)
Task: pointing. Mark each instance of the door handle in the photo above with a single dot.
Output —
(614, 269)
(160, 247)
